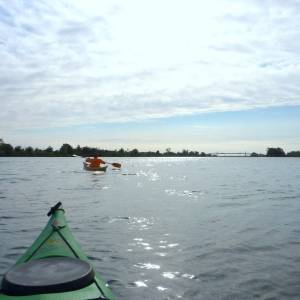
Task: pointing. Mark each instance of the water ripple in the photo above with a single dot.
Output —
(179, 228)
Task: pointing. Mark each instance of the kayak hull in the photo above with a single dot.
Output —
(56, 241)
(88, 168)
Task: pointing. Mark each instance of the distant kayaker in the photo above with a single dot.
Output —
(95, 161)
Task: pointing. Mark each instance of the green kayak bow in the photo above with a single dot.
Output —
(54, 268)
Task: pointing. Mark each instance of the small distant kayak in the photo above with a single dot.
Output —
(54, 267)
(88, 168)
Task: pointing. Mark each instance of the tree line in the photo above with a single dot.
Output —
(277, 152)
(68, 150)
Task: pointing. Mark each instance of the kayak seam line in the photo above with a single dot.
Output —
(65, 240)
(100, 289)
(34, 252)
(68, 244)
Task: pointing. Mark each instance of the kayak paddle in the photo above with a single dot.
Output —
(116, 165)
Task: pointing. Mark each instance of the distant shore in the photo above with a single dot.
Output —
(66, 150)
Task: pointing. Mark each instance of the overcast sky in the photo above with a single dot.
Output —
(218, 75)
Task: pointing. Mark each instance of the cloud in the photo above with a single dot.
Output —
(68, 63)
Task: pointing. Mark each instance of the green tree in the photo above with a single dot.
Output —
(78, 150)
(277, 152)
(6, 149)
(66, 150)
(293, 154)
(49, 150)
(29, 151)
(121, 152)
(38, 152)
(18, 151)
(86, 151)
(134, 152)
(185, 152)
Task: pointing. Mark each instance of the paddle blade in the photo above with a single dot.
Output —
(116, 165)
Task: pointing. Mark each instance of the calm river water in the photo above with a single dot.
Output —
(166, 228)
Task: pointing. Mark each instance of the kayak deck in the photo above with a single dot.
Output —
(56, 242)
(88, 168)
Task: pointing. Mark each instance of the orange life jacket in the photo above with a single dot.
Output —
(95, 162)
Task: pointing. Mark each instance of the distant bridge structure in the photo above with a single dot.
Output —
(232, 154)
